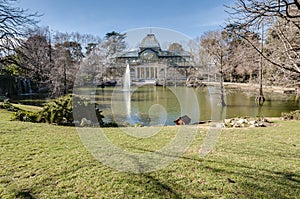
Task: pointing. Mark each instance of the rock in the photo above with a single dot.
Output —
(259, 124)
(253, 122)
(235, 125)
(220, 125)
(85, 122)
(242, 121)
(228, 121)
(183, 120)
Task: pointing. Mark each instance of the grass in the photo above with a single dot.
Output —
(28, 107)
(47, 161)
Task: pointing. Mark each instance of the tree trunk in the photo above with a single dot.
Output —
(222, 83)
(223, 103)
(65, 80)
(260, 99)
(297, 94)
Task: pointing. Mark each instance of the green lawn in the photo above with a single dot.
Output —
(47, 161)
(28, 107)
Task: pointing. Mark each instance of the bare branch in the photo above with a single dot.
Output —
(14, 23)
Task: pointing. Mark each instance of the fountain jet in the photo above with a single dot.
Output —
(127, 81)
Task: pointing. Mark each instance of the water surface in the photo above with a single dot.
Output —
(150, 105)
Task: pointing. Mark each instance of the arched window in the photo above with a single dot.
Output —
(149, 55)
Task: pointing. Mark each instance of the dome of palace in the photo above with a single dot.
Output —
(150, 41)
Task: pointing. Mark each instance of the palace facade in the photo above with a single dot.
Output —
(150, 62)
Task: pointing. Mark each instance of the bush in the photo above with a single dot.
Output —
(2, 98)
(21, 115)
(84, 109)
(110, 124)
(25, 116)
(60, 111)
(294, 115)
(8, 106)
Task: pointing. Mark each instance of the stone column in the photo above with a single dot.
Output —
(140, 72)
(136, 73)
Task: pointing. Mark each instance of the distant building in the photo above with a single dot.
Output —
(150, 62)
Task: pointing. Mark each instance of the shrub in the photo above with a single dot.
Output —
(83, 108)
(294, 115)
(25, 116)
(21, 115)
(8, 106)
(60, 110)
(110, 124)
(2, 98)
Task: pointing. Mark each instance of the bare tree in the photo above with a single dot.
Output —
(35, 56)
(175, 47)
(92, 67)
(243, 60)
(112, 44)
(216, 45)
(250, 15)
(283, 46)
(68, 56)
(53, 60)
(100, 61)
(247, 13)
(14, 25)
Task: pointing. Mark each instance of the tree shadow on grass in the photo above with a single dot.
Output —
(162, 188)
(248, 179)
(290, 176)
(24, 194)
(270, 183)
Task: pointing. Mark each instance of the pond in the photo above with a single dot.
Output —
(157, 105)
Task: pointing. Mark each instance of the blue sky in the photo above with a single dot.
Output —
(97, 17)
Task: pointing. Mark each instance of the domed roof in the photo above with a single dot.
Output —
(150, 41)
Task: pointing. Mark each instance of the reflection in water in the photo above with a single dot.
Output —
(149, 105)
(259, 110)
(154, 106)
(127, 100)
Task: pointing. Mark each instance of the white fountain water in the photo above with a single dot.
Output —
(127, 94)
(127, 81)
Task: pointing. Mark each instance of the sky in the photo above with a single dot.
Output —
(190, 18)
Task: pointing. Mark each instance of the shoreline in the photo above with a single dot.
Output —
(255, 87)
